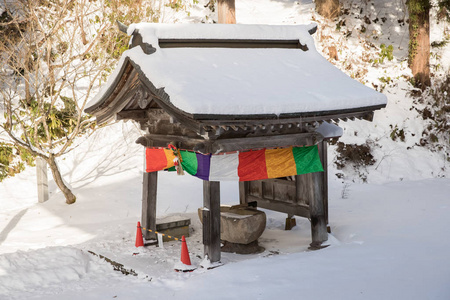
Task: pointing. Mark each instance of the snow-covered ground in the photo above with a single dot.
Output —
(388, 241)
(389, 236)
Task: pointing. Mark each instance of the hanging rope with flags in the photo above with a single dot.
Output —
(236, 166)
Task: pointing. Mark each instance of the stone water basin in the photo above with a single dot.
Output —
(240, 224)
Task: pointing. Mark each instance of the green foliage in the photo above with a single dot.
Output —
(121, 46)
(9, 165)
(61, 121)
(417, 7)
(340, 24)
(26, 156)
(176, 5)
(127, 12)
(418, 11)
(6, 157)
(397, 133)
(386, 52)
(440, 44)
(385, 80)
(47, 68)
(51, 66)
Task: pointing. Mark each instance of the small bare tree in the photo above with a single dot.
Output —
(54, 53)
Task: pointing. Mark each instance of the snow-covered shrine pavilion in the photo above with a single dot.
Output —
(248, 96)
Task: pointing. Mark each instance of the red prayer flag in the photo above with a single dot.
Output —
(252, 165)
(158, 159)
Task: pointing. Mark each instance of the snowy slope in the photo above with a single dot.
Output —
(389, 236)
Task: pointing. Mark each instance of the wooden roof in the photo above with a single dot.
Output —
(134, 93)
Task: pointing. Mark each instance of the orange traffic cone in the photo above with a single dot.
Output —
(139, 239)
(185, 259)
(184, 265)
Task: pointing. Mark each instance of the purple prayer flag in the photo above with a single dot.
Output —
(203, 162)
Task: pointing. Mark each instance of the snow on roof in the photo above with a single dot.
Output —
(245, 81)
(151, 32)
(330, 130)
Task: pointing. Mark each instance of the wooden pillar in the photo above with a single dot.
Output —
(226, 12)
(302, 184)
(211, 219)
(243, 192)
(323, 153)
(319, 232)
(42, 179)
(149, 189)
(311, 187)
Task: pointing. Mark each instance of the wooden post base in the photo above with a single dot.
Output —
(290, 223)
(317, 246)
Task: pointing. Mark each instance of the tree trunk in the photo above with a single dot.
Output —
(226, 12)
(70, 197)
(419, 42)
(329, 9)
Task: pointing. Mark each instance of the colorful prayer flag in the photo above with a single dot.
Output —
(240, 166)
(159, 159)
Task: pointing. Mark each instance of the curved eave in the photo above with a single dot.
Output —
(358, 112)
(118, 81)
(115, 99)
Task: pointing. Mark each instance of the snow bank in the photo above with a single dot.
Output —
(50, 270)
